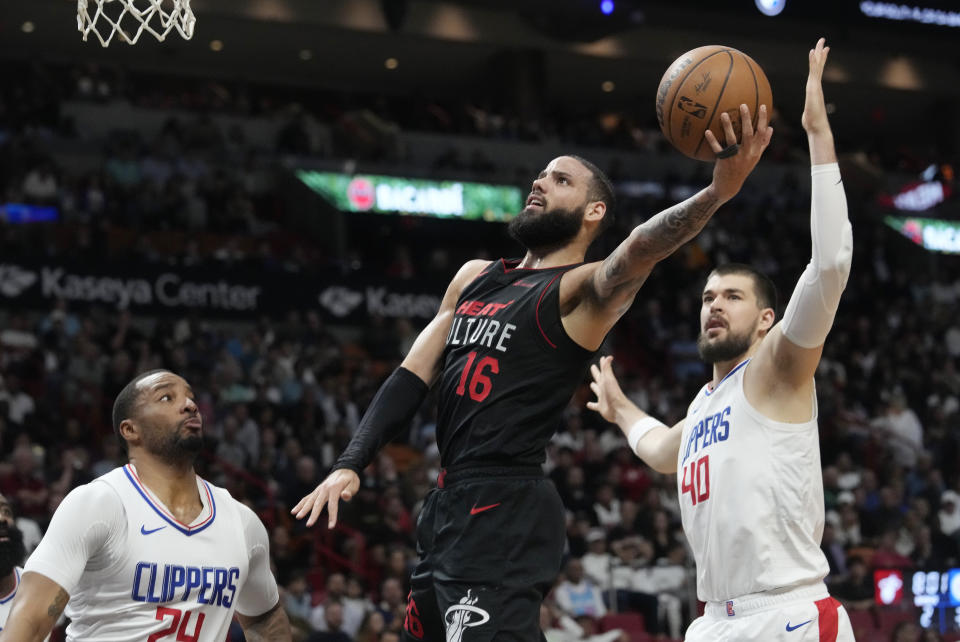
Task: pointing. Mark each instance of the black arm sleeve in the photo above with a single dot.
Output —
(392, 408)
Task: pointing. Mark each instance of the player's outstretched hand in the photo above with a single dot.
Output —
(340, 484)
(609, 394)
(814, 118)
(735, 162)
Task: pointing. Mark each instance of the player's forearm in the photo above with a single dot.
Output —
(391, 409)
(659, 448)
(18, 632)
(656, 448)
(822, 150)
(627, 414)
(22, 632)
(35, 609)
(654, 240)
(809, 314)
(27, 627)
(273, 626)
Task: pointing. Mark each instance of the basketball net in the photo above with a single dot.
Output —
(128, 19)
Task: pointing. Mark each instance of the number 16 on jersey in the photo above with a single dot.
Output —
(480, 384)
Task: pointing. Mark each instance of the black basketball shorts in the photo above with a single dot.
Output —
(490, 542)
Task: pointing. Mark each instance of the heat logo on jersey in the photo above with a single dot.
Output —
(708, 431)
(213, 585)
(462, 616)
(473, 326)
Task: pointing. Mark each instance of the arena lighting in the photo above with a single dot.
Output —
(908, 13)
(771, 7)
(15, 213)
(606, 7)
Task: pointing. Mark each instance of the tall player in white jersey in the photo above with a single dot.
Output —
(747, 455)
(150, 551)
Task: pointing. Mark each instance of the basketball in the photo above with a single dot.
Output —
(702, 84)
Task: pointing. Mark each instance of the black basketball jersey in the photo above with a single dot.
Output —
(509, 368)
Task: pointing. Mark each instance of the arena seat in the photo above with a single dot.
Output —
(632, 623)
(890, 619)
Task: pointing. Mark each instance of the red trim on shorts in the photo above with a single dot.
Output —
(829, 619)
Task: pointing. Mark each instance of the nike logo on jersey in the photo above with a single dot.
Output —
(479, 509)
(794, 628)
(144, 531)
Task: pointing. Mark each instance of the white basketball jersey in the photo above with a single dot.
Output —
(751, 495)
(155, 579)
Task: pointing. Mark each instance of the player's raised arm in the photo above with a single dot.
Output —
(37, 605)
(650, 440)
(790, 354)
(392, 407)
(622, 273)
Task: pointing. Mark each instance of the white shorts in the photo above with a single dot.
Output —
(806, 614)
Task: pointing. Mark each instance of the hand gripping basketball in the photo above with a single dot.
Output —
(734, 163)
(340, 484)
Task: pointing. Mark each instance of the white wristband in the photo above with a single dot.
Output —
(639, 429)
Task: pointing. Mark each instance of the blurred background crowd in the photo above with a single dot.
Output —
(153, 171)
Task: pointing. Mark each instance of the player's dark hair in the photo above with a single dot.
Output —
(126, 402)
(763, 287)
(601, 189)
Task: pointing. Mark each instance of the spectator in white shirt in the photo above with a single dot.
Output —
(607, 507)
(903, 427)
(577, 595)
(19, 404)
(596, 562)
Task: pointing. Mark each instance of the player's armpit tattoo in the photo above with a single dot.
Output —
(59, 603)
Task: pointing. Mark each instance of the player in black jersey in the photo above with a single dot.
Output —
(511, 341)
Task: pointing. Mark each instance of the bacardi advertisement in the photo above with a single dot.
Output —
(411, 196)
(226, 293)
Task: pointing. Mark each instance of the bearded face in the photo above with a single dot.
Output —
(12, 550)
(542, 230)
(176, 447)
(727, 348)
(169, 422)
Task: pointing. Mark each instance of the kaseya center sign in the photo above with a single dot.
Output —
(216, 292)
(391, 194)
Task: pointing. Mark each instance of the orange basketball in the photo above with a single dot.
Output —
(702, 84)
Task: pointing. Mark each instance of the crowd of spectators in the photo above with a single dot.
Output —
(282, 395)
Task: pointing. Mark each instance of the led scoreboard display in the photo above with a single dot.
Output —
(935, 592)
